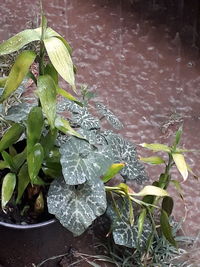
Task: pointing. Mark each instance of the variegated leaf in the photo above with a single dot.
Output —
(76, 207)
(85, 120)
(81, 161)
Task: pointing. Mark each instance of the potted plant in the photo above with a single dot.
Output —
(57, 158)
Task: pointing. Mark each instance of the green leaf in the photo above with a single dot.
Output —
(34, 159)
(47, 94)
(19, 40)
(23, 181)
(181, 165)
(43, 26)
(167, 205)
(141, 220)
(11, 136)
(153, 160)
(17, 73)
(19, 159)
(48, 141)
(3, 165)
(76, 207)
(34, 126)
(67, 95)
(112, 171)
(51, 71)
(151, 190)
(61, 59)
(64, 126)
(3, 81)
(157, 147)
(166, 228)
(178, 136)
(53, 172)
(82, 162)
(8, 186)
(9, 160)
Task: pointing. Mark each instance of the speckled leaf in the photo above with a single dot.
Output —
(111, 118)
(17, 73)
(68, 105)
(7, 189)
(19, 40)
(47, 94)
(61, 59)
(76, 207)
(85, 120)
(81, 161)
(124, 233)
(125, 152)
(18, 113)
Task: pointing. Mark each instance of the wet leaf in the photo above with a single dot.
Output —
(167, 205)
(112, 171)
(17, 73)
(61, 59)
(34, 159)
(64, 126)
(181, 165)
(34, 126)
(153, 160)
(151, 190)
(19, 40)
(47, 94)
(11, 136)
(7, 189)
(166, 228)
(76, 207)
(82, 162)
(23, 181)
(156, 147)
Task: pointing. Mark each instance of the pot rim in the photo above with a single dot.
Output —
(28, 226)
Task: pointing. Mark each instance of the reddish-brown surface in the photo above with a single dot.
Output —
(143, 61)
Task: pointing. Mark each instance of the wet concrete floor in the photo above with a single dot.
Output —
(142, 58)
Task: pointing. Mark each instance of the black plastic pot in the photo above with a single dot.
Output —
(26, 245)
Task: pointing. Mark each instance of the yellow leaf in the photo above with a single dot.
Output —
(152, 190)
(156, 147)
(153, 160)
(181, 165)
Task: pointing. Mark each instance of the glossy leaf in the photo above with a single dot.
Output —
(64, 126)
(7, 189)
(48, 142)
(151, 190)
(19, 159)
(61, 59)
(23, 181)
(17, 73)
(181, 165)
(19, 40)
(76, 207)
(34, 126)
(11, 136)
(112, 171)
(9, 160)
(34, 159)
(166, 228)
(167, 205)
(153, 160)
(47, 94)
(156, 147)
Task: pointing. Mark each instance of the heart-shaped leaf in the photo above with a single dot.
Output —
(81, 161)
(47, 94)
(11, 136)
(18, 113)
(7, 189)
(85, 120)
(61, 59)
(76, 207)
(17, 73)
